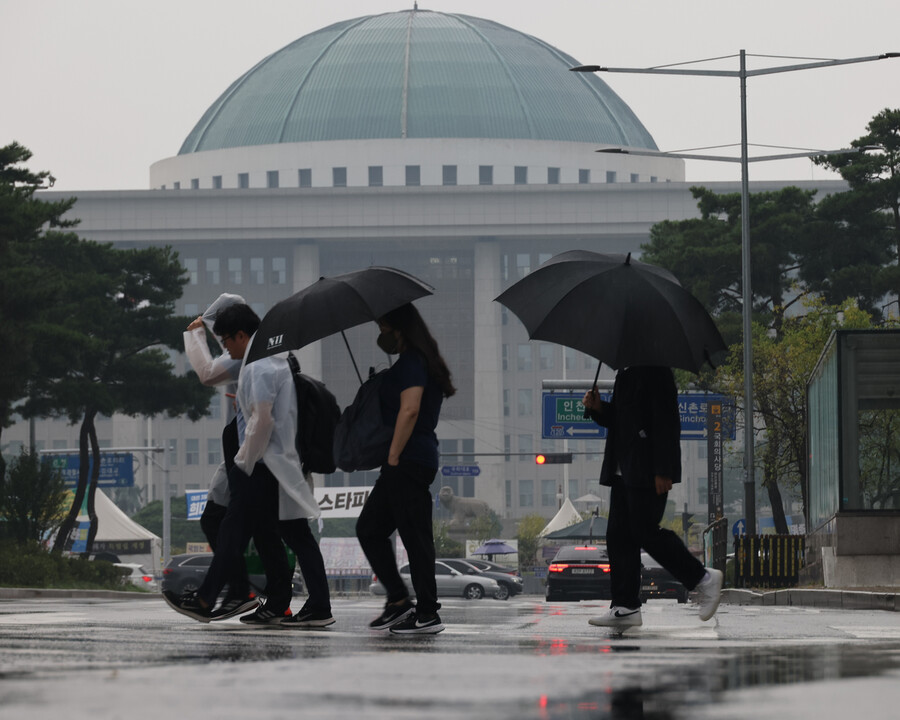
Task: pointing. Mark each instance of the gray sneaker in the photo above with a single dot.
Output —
(709, 590)
(619, 617)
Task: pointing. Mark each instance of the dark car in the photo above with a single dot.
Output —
(510, 585)
(579, 573)
(185, 573)
(657, 582)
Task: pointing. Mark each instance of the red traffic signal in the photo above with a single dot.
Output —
(553, 458)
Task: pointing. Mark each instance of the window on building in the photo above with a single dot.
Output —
(217, 182)
(279, 271)
(543, 257)
(235, 274)
(548, 493)
(304, 177)
(526, 448)
(468, 486)
(259, 308)
(506, 394)
(571, 357)
(190, 264)
(195, 183)
(243, 180)
(60, 444)
(523, 358)
(214, 411)
(508, 492)
(610, 176)
(413, 175)
(376, 176)
(590, 363)
(213, 451)
(526, 493)
(339, 177)
(520, 175)
(524, 402)
(507, 447)
(172, 446)
(212, 271)
(584, 176)
(547, 355)
(257, 271)
(523, 265)
(573, 489)
(176, 186)
(702, 491)
(635, 177)
(485, 174)
(504, 356)
(272, 178)
(702, 451)
(191, 451)
(191, 310)
(553, 176)
(654, 179)
(448, 175)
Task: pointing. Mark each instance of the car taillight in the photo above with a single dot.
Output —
(557, 567)
(167, 571)
(146, 578)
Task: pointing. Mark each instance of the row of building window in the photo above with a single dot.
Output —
(413, 174)
(550, 491)
(234, 271)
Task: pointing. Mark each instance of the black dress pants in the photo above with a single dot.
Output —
(634, 517)
(401, 501)
(299, 538)
(252, 512)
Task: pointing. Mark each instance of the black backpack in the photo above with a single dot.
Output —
(317, 416)
(362, 440)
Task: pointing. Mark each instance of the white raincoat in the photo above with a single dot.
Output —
(268, 401)
(222, 370)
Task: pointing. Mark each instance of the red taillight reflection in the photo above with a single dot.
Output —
(146, 578)
(167, 571)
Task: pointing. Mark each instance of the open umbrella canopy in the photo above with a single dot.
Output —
(621, 311)
(333, 304)
(494, 547)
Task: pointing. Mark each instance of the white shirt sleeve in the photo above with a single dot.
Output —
(219, 371)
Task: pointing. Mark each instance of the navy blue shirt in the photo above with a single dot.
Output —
(409, 371)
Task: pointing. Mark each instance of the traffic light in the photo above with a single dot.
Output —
(553, 458)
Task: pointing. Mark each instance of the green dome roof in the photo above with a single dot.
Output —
(416, 74)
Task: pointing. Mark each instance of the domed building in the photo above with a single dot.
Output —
(452, 147)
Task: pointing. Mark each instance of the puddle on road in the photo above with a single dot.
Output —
(685, 686)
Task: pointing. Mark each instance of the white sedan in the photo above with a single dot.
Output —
(449, 582)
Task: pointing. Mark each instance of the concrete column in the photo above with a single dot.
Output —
(305, 273)
(488, 404)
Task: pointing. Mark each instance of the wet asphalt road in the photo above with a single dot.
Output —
(525, 658)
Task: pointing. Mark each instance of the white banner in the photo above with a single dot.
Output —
(341, 502)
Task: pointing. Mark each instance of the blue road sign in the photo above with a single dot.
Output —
(460, 470)
(116, 469)
(692, 408)
(562, 417)
(196, 503)
(739, 527)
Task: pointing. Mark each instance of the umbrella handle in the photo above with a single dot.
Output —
(352, 359)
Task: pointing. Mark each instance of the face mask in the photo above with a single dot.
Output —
(389, 343)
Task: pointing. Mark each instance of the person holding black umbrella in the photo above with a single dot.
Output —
(641, 463)
(411, 395)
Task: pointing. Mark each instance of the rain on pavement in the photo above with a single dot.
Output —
(524, 658)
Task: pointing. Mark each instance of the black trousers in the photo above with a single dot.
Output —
(252, 512)
(401, 501)
(634, 517)
(299, 538)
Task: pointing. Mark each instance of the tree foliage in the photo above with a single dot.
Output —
(528, 534)
(32, 498)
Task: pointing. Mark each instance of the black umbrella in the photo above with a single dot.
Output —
(331, 305)
(594, 528)
(621, 311)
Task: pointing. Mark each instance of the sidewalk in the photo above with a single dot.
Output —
(886, 599)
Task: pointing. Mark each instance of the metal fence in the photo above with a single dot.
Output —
(767, 561)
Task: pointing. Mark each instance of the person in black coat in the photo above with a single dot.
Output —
(641, 463)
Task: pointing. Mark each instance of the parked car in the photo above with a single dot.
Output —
(138, 576)
(450, 582)
(657, 582)
(492, 566)
(579, 573)
(185, 573)
(510, 585)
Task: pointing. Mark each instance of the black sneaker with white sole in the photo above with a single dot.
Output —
(188, 604)
(393, 613)
(234, 606)
(417, 624)
(309, 618)
(262, 616)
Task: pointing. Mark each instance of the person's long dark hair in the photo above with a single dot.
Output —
(415, 334)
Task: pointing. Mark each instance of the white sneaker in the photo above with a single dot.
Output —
(618, 617)
(710, 590)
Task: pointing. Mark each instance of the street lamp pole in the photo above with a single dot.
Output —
(746, 291)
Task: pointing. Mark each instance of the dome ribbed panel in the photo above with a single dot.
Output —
(468, 78)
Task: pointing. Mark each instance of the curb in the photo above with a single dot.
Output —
(34, 593)
(839, 599)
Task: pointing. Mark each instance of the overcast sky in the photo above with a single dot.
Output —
(101, 89)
